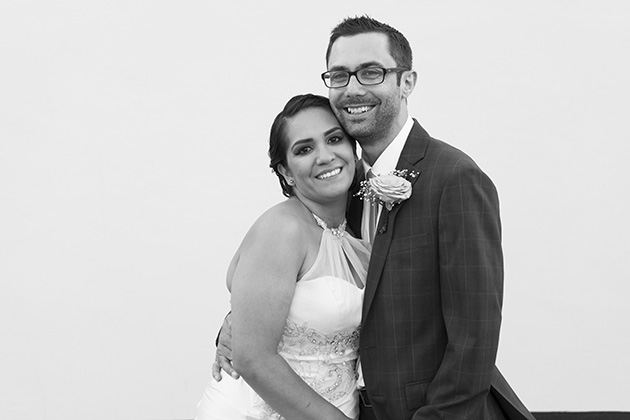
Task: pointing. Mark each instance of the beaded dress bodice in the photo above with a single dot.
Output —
(321, 337)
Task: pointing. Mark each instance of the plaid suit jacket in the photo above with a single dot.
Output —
(432, 308)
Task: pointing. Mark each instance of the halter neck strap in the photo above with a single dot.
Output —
(339, 231)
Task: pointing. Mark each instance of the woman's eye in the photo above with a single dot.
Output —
(335, 139)
(303, 150)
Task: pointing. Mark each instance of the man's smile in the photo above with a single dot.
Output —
(355, 110)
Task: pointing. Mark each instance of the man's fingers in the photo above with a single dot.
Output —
(216, 372)
(226, 364)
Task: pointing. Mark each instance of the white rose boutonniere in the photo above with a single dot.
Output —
(388, 189)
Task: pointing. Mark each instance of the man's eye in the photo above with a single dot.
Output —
(338, 76)
(371, 73)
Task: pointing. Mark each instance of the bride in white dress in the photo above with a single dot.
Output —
(297, 283)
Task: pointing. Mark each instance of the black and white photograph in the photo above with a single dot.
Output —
(365, 210)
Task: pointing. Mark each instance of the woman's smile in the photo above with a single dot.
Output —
(329, 174)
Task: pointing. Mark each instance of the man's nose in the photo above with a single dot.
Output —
(354, 87)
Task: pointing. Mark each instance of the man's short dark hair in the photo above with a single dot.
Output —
(399, 47)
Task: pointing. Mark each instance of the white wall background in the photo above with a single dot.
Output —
(133, 160)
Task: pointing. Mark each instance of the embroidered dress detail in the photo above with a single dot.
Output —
(335, 370)
(326, 362)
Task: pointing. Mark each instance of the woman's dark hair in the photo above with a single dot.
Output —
(278, 143)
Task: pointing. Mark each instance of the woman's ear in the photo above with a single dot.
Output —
(286, 174)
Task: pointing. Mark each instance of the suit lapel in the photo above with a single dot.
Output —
(410, 159)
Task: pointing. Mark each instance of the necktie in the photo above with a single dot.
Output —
(372, 212)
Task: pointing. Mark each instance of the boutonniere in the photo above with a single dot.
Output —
(388, 189)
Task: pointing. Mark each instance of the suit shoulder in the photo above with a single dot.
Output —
(432, 154)
(448, 154)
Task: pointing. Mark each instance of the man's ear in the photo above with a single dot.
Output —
(408, 83)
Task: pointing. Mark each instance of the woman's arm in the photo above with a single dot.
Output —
(263, 284)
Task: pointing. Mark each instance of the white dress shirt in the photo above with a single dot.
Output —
(385, 164)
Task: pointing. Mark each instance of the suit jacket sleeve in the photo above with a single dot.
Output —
(471, 282)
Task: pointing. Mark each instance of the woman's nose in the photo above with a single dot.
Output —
(325, 155)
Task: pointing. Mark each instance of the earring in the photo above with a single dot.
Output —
(290, 181)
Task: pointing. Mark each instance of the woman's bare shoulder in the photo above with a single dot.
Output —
(283, 219)
(278, 234)
(280, 225)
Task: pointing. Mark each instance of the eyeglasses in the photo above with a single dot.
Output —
(368, 76)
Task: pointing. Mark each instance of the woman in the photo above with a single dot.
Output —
(297, 282)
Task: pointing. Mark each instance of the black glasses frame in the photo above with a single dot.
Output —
(326, 76)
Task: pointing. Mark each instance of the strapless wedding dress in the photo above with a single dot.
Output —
(321, 337)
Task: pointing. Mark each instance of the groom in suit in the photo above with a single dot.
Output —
(432, 309)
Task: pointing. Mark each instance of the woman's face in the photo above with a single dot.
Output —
(320, 156)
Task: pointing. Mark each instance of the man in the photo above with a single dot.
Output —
(432, 308)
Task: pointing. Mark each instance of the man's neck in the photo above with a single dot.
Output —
(371, 154)
(372, 148)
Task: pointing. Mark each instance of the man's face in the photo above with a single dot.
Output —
(368, 113)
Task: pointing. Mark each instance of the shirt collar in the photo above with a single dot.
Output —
(387, 161)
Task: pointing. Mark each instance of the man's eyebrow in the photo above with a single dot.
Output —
(361, 66)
